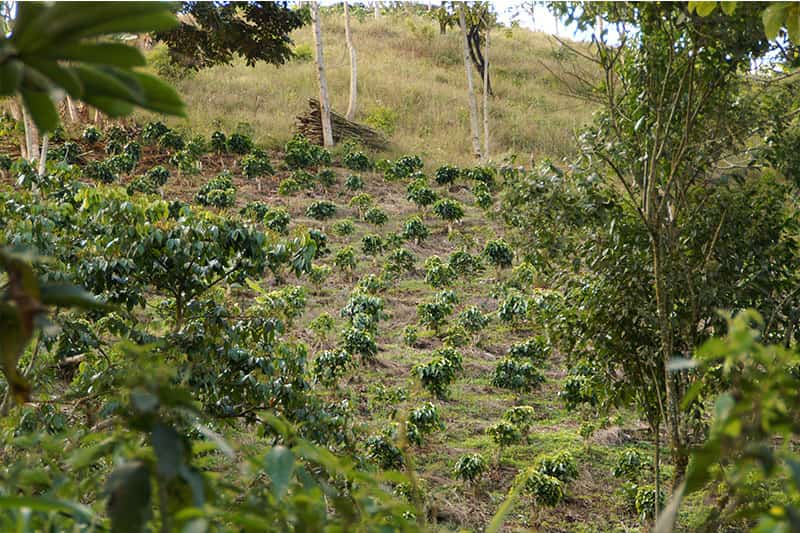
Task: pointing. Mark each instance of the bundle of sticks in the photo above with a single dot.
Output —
(310, 125)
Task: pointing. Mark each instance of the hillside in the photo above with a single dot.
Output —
(409, 71)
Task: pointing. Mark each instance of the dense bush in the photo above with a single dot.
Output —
(345, 227)
(377, 216)
(331, 365)
(504, 434)
(436, 375)
(446, 174)
(423, 421)
(420, 193)
(372, 245)
(321, 210)
(239, 143)
(277, 219)
(535, 350)
(546, 490)
(356, 160)
(300, 153)
(448, 210)
(473, 319)
(499, 253)
(470, 467)
(560, 465)
(92, 135)
(517, 376)
(415, 229)
(217, 192)
(354, 182)
(437, 273)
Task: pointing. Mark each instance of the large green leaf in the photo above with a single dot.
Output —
(43, 112)
(279, 465)
(10, 77)
(56, 75)
(128, 488)
(67, 295)
(116, 54)
(48, 504)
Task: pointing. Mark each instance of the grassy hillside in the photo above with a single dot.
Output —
(406, 69)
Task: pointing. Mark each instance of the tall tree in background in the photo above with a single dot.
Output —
(486, 90)
(214, 33)
(351, 106)
(473, 104)
(324, 103)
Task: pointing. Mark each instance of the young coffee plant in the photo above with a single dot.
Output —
(376, 216)
(153, 131)
(354, 182)
(330, 366)
(362, 202)
(100, 171)
(410, 335)
(473, 319)
(516, 375)
(483, 196)
(217, 192)
(535, 350)
(322, 326)
(421, 194)
(255, 166)
(522, 416)
(372, 245)
(547, 490)
(239, 143)
(299, 152)
(560, 465)
(277, 219)
(343, 228)
(219, 142)
(499, 253)
(415, 229)
(345, 259)
(483, 175)
(630, 465)
(470, 468)
(371, 284)
(289, 187)
(357, 341)
(401, 168)
(465, 264)
(92, 135)
(504, 434)
(448, 210)
(513, 309)
(434, 314)
(383, 452)
(446, 174)
(171, 141)
(399, 261)
(436, 376)
(158, 175)
(423, 421)
(437, 273)
(356, 160)
(321, 210)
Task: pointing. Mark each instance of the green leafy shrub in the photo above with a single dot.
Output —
(398, 261)
(434, 314)
(437, 273)
(410, 335)
(560, 465)
(546, 490)
(289, 187)
(197, 146)
(277, 219)
(376, 216)
(321, 210)
(448, 210)
(415, 229)
(345, 259)
(143, 185)
(483, 175)
(504, 434)
(92, 135)
(383, 119)
(357, 341)
(483, 196)
(446, 174)
(630, 465)
(320, 242)
(158, 174)
(219, 142)
(171, 140)
(370, 284)
(516, 375)
(153, 131)
(470, 468)
(499, 253)
(342, 228)
(218, 192)
(256, 165)
(100, 171)
(359, 303)
(420, 193)
(422, 421)
(464, 263)
(473, 319)
(372, 245)
(362, 201)
(239, 143)
(513, 308)
(646, 502)
(354, 182)
(535, 349)
(326, 177)
(382, 450)
(331, 365)
(255, 211)
(522, 416)
(356, 160)
(436, 375)
(300, 153)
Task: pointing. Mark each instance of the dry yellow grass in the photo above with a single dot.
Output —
(405, 65)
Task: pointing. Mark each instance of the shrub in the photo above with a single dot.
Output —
(470, 467)
(345, 259)
(359, 342)
(359, 303)
(630, 465)
(420, 193)
(371, 284)
(113, 147)
(239, 143)
(646, 502)
(446, 174)
(464, 263)
(372, 245)
(319, 273)
(158, 174)
(69, 152)
(410, 335)
(344, 227)
(513, 308)
(399, 261)
(504, 434)
(305, 179)
(326, 177)
(499, 253)
(546, 490)
(423, 421)
(321, 242)
(277, 219)
(472, 319)
(560, 465)
(219, 142)
(100, 171)
(255, 211)
(197, 146)
(383, 452)
(434, 314)
(376, 216)
(483, 196)
(483, 175)
(300, 153)
(362, 201)
(354, 182)
(133, 150)
(218, 192)
(535, 349)
(448, 210)
(289, 186)
(321, 210)
(522, 416)
(172, 140)
(414, 228)
(153, 131)
(92, 135)
(256, 165)
(142, 184)
(436, 376)
(5, 162)
(517, 376)
(523, 276)
(452, 355)
(578, 390)
(330, 365)
(356, 160)
(437, 273)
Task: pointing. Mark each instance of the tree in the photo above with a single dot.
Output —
(214, 33)
(473, 106)
(351, 106)
(324, 104)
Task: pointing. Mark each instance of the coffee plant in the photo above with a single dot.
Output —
(217, 192)
(321, 210)
(377, 216)
(415, 229)
(499, 253)
(423, 421)
(300, 153)
(421, 194)
(470, 468)
(560, 465)
(354, 182)
(372, 245)
(446, 174)
(516, 375)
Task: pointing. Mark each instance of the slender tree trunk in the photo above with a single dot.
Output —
(16, 111)
(473, 105)
(31, 136)
(43, 156)
(486, 99)
(351, 106)
(657, 469)
(377, 9)
(73, 114)
(324, 104)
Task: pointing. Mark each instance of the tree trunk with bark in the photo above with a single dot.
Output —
(324, 103)
(351, 106)
(486, 99)
(43, 156)
(473, 105)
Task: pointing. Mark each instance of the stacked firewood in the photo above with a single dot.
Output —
(310, 125)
